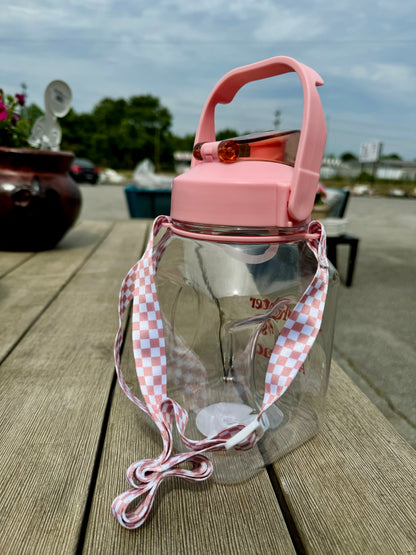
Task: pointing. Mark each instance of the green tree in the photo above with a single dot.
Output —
(77, 131)
(392, 156)
(226, 134)
(348, 157)
(31, 113)
(120, 133)
(184, 144)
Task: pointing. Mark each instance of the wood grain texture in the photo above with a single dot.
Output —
(54, 388)
(352, 489)
(28, 289)
(10, 260)
(187, 518)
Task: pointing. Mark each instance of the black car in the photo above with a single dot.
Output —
(84, 170)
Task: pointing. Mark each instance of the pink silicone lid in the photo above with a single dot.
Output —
(252, 192)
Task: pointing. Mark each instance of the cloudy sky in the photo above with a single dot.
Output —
(365, 50)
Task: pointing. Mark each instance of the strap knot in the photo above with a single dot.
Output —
(146, 477)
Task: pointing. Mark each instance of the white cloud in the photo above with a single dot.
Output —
(283, 24)
(391, 79)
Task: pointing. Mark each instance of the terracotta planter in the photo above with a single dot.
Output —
(39, 201)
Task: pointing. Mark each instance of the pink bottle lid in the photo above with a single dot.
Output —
(254, 181)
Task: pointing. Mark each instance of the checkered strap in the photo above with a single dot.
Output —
(292, 347)
(301, 328)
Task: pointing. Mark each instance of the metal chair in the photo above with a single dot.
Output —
(338, 200)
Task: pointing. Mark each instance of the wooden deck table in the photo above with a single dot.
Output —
(68, 434)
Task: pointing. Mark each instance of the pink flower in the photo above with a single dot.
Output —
(321, 191)
(20, 99)
(3, 112)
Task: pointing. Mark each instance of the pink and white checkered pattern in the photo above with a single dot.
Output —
(298, 334)
(291, 349)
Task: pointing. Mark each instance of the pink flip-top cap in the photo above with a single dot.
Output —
(252, 192)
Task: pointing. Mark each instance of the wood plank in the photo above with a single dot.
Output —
(54, 388)
(189, 518)
(28, 289)
(10, 260)
(352, 489)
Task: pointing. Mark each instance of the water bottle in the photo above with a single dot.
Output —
(234, 300)
(236, 264)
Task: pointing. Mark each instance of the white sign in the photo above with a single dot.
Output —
(370, 152)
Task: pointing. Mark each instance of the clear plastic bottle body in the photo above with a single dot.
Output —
(223, 306)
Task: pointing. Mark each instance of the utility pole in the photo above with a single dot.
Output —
(277, 119)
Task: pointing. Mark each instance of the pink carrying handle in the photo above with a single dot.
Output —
(313, 135)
